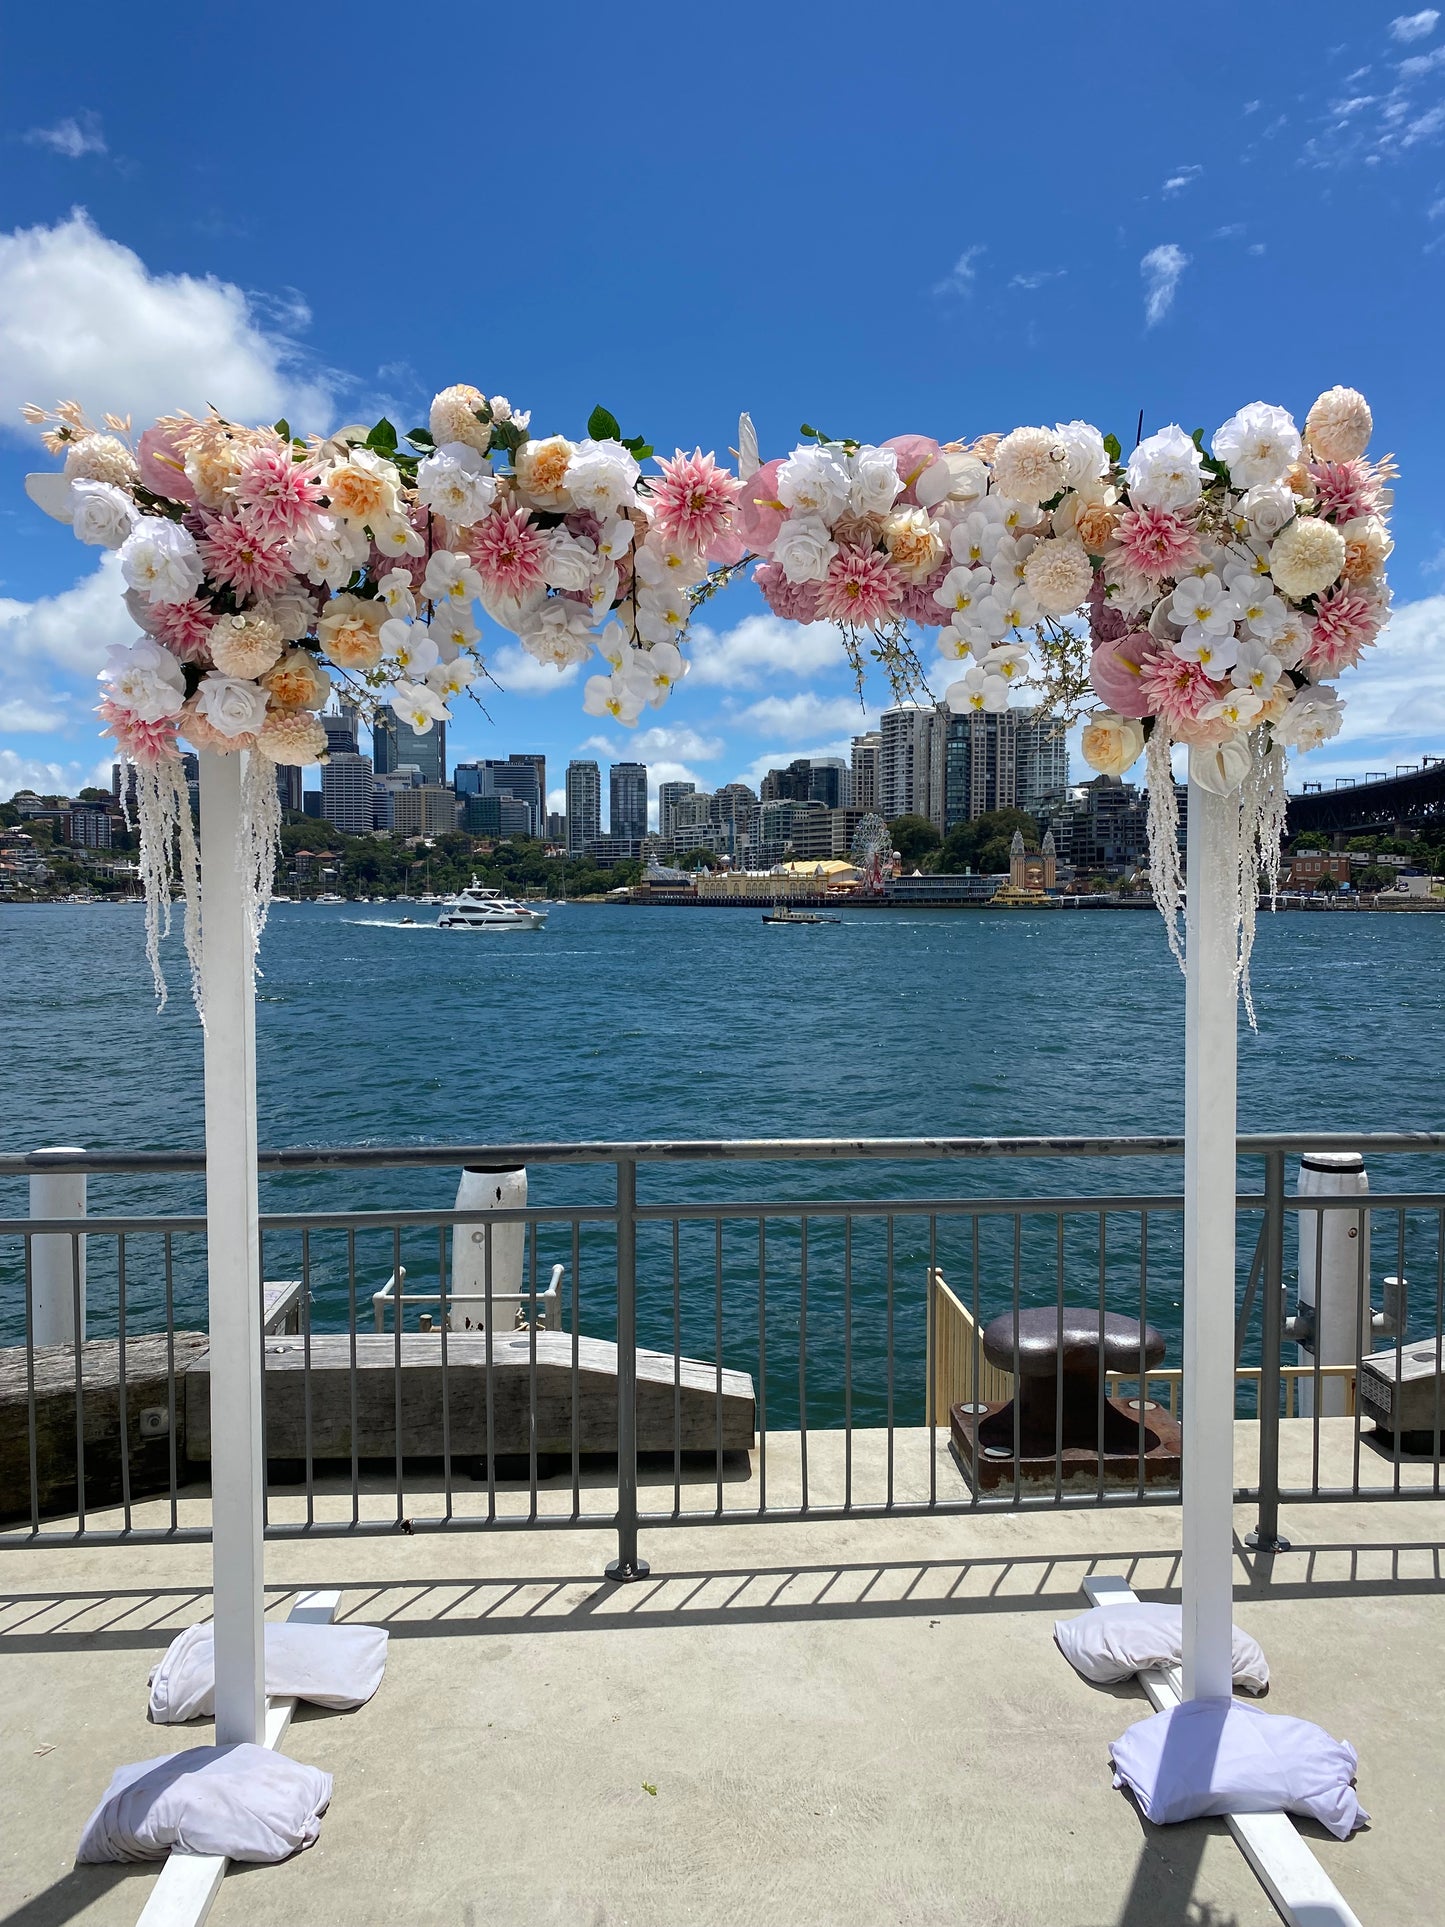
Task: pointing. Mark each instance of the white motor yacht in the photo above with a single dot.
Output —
(478, 908)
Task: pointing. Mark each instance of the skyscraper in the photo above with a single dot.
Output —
(288, 785)
(584, 806)
(829, 781)
(911, 763)
(346, 792)
(340, 727)
(1013, 759)
(628, 802)
(394, 742)
(866, 749)
(668, 795)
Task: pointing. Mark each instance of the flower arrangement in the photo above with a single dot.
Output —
(264, 571)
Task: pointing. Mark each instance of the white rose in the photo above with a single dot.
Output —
(102, 514)
(602, 476)
(1258, 445)
(557, 633)
(458, 483)
(160, 559)
(569, 561)
(814, 482)
(803, 549)
(145, 679)
(231, 705)
(1313, 717)
(1110, 743)
(1266, 508)
(875, 481)
(1165, 471)
(1085, 447)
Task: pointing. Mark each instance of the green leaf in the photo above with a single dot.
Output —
(382, 437)
(1198, 439)
(483, 413)
(647, 1786)
(283, 429)
(638, 448)
(1112, 448)
(807, 430)
(422, 437)
(603, 427)
(507, 435)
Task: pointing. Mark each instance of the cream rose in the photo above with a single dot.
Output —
(298, 681)
(362, 491)
(350, 631)
(541, 470)
(913, 542)
(1112, 743)
(454, 418)
(1367, 545)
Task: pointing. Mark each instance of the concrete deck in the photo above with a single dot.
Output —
(854, 1723)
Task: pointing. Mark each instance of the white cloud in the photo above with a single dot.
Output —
(806, 714)
(1182, 178)
(46, 645)
(522, 675)
(557, 802)
(760, 648)
(1414, 26)
(963, 274)
(1161, 268)
(82, 316)
(1036, 277)
(48, 779)
(30, 718)
(1397, 694)
(75, 136)
(662, 741)
(780, 758)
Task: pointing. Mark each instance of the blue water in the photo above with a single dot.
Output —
(620, 1022)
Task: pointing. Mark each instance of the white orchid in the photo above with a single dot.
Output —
(394, 535)
(1255, 668)
(602, 591)
(661, 613)
(977, 691)
(1008, 660)
(417, 705)
(453, 629)
(395, 591)
(1240, 708)
(962, 589)
(617, 696)
(614, 645)
(614, 538)
(975, 538)
(655, 670)
(450, 577)
(660, 561)
(411, 644)
(450, 678)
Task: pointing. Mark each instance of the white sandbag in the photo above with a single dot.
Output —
(1110, 1643)
(335, 1666)
(1222, 1756)
(245, 1802)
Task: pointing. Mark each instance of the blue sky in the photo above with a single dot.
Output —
(946, 222)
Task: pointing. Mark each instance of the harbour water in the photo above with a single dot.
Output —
(621, 1023)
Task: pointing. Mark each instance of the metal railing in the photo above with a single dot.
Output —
(724, 1358)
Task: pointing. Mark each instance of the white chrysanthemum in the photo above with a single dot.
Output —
(1259, 445)
(1030, 465)
(1306, 557)
(453, 418)
(245, 645)
(292, 736)
(100, 458)
(1339, 426)
(1058, 576)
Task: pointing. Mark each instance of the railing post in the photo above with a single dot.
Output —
(1265, 1537)
(57, 1265)
(627, 1565)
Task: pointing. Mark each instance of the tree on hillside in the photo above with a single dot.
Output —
(1310, 840)
(983, 845)
(913, 838)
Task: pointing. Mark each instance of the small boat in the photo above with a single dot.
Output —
(784, 915)
(328, 896)
(478, 908)
(410, 920)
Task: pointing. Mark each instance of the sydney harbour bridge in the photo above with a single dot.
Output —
(1412, 798)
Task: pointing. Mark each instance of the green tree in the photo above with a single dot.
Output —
(1326, 887)
(1375, 877)
(913, 838)
(1310, 840)
(984, 843)
(697, 860)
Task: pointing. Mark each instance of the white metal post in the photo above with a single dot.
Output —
(1210, 1072)
(57, 1263)
(233, 1261)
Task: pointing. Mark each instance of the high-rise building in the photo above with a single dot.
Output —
(428, 810)
(540, 762)
(1041, 762)
(394, 742)
(1104, 825)
(288, 785)
(911, 763)
(87, 825)
(340, 727)
(1011, 759)
(829, 784)
(866, 751)
(584, 806)
(628, 801)
(667, 796)
(556, 827)
(346, 792)
(791, 785)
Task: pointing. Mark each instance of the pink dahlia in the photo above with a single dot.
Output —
(184, 628)
(506, 548)
(162, 463)
(1344, 626)
(759, 514)
(1116, 669)
(1156, 543)
(916, 603)
(1344, 490)
(859, 589)
(1175, 690)
(142, 742)
(693, 503)
(793, 601)
(274, 495)
(233, 554)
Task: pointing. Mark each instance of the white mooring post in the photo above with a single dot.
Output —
(233, 1261)
(57, 1263)
(1210, 1065)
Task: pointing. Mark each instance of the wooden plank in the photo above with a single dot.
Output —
(189, 1882)
(1281, 1861)
(146, 1388)
(467, 1352)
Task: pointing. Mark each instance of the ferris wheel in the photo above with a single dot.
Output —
(872, 847)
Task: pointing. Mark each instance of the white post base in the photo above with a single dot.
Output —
(57, 1266)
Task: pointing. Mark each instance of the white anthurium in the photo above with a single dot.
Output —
(1009, 660)
(512, 611)
(446, 679)
(962, 589)
(1240, 709)
(617, 696)
(1255, 668)
(396, 592)
(977, 691)
(1221, 767)
(417, 706)
(655, 671)
(450, 577)
(144, 678)
(49, 490)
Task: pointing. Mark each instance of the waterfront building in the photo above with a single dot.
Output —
(384, 791)
(830, 782)
(604, 851)
(428, 810)
(517, 777)
(1041, 762)
(1103, 827)
(556, 827)
(394, 742)
(1311, 867)
(864, 786)
(911, 757)
(1014, 759)
(346, 792)
(288, 785)
(584, 806)
(940, 889)
(628, 800)
(667, 796)
(87, 825)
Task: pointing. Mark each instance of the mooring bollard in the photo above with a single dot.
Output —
(57, 1259)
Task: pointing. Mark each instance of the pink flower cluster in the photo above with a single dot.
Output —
(506, 549)
(693, 505)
